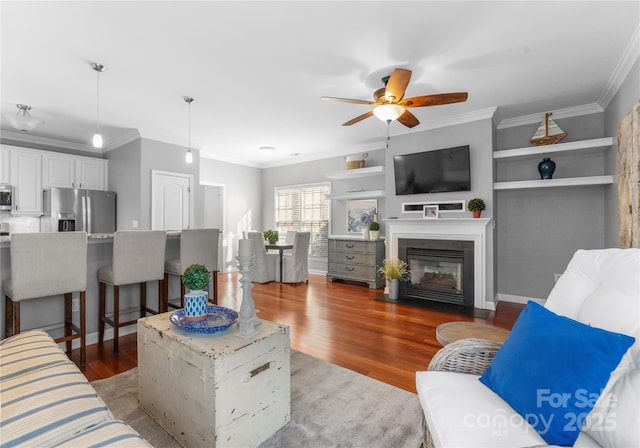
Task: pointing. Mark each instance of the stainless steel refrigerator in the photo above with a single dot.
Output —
(71, 209)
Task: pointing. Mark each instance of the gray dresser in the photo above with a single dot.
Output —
(356, 260)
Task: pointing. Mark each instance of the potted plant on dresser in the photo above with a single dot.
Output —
(394, 271)
(476, 205)
(374, 230)
(195, 278)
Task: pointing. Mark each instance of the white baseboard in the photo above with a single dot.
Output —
(518, 299)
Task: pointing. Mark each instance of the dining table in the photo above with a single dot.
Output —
(280, 248)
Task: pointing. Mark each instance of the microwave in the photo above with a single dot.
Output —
(6, 197)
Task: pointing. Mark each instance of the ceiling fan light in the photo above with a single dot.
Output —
(97, 140)
(388, 112)
(23, 121)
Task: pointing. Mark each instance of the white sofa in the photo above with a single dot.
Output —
(46, 401)
(600, 288)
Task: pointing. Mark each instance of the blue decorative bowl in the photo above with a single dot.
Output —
(218, 319)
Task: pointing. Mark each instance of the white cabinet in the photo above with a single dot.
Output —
(5, 166)
(26, 178)
(530, 153)
(66, 171)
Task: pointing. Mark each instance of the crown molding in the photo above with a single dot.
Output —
(629, 57)
(45, 141)
(468, 117)
(568, 112)
(128, 137)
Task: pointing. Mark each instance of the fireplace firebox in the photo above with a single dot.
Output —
(441, 270)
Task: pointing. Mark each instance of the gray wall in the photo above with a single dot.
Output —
(539, 230)
(243, 207)
(124, 179)
(620, 105)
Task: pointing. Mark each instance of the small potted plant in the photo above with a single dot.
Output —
(374, 230)
(394, 271)
(476, 205)
(271, 236)
(195, 278)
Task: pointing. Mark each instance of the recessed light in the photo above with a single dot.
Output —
(267, 148)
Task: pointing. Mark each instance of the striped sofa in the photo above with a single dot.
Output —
(46, 401)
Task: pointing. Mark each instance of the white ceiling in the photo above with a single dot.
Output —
(257, 70)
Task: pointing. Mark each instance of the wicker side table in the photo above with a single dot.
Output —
(452, 331)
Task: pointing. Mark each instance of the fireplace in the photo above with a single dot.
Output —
(441, 270)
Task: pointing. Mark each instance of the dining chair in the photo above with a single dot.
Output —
(265, 269)
(138, 257)
(290, 236)
(47, 265)
(197, 246)
(295, 267)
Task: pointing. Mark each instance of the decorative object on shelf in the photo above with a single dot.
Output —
(546, 168)
(476, 205)
(355, 162)
(394, 271)
(23, 121)
(246, 263)
(629, 179)
(195, 278)
(216, 320)
(271, 236)
(430, 211)
(189, 155)
(374, 230)
(548, 133)
(97, 137)
(360, 213)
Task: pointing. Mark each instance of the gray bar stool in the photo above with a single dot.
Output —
(45, 265)
(138, 257)
(197, 246)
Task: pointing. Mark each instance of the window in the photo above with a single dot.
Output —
(305, 208)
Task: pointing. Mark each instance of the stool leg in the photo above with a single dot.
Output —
(103, 312)
(143, 299)
(16, 317)
(165, 294)
(215, 287)
(83, 330)
(8, 316)
(68, 319)
(183, 291)
(116, 318)
(161, 309)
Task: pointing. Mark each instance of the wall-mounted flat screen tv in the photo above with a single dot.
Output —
(436, 171)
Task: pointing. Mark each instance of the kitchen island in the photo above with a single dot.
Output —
(99, 253)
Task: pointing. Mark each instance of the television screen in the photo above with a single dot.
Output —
(433, 171)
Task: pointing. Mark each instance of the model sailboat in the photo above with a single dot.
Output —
(548, 132)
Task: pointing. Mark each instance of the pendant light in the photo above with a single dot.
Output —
(97, 137)
(189, 155)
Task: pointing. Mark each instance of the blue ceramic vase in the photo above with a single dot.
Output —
(546, 168)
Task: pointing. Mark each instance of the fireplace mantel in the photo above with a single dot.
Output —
(478, 230)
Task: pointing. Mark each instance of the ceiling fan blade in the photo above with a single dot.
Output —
(358, 119)
(408, 119)
(435, 100)
(347, 100)
(397, 84)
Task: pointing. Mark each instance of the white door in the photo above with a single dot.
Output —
(214, 216)
(171, 207)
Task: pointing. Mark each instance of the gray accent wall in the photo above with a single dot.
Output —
(124, 179)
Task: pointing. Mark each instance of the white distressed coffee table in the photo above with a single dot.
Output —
(214, 390)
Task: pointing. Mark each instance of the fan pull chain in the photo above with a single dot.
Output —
(388, 126)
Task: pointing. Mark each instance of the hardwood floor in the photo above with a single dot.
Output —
(339, 323)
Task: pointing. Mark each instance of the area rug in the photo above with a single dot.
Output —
(330, 407)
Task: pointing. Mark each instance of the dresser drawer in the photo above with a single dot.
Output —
(351, 258)
(361, 247)
(354, 271)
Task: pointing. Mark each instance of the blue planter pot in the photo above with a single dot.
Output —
(546, 168)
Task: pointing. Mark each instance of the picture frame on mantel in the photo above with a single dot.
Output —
(430, 211)
(360, 213)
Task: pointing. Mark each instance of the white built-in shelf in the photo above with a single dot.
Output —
(371, 194)
(597, 144)
(356, 173)
(549, 183)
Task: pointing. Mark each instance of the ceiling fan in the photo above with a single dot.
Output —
(390, 103)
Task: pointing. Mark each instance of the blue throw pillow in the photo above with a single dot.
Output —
(551, 369)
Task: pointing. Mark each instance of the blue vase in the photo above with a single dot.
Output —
(546, 168)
